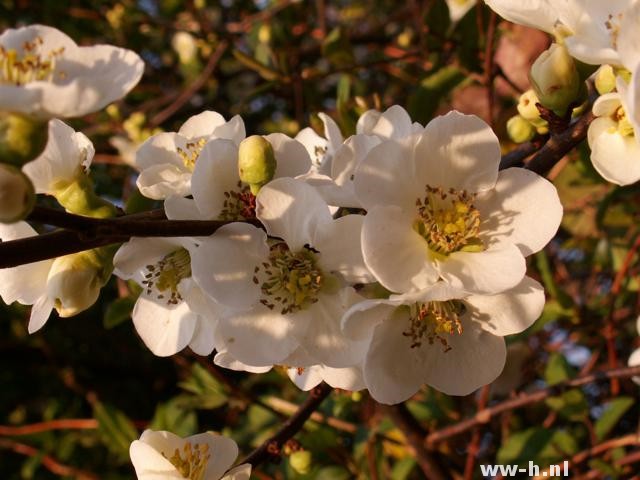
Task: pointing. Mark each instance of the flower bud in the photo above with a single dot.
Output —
(555, 78)
(528, 110)
(75, 280)
(605, 79)
(21, 138)
(185, 46)
(301, 461)
(17, 196)
(256, 162)
(78, 196)
(520, 130)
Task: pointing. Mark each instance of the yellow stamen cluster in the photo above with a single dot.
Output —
(432, 321)
(238, 204)
(191, 152)
(192, 462)
(165, 276)
(624, 126)
(31, 66)
(292, 281)
(448, 221)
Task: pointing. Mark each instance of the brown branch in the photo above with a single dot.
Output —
(60, 424)
(403, 419)
(47, 461)
(485, 415)
(271, 447)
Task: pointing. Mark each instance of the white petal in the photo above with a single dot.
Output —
(394, 123)
(491, 271)
(340, 249)
(223, 265)
(396, 255)
(331, 131)
(241, 472)
(606, 105)
(616, 157)
(531, 13)
(132, 257)
(292, 210)
(628, 42)
(634, 361)
(343, 378)
(150, 464)
(360, 320)
(204, 336)
(40, 313)
(349, 156)
(201, 125)
(160, 149)
(164, 329)
(292, 159)
(459, 151)
(215, 174)
(510, 312)
(180, 208)
(225, 360)
(524, 209)
(459, 8)
(161, 181)
(224, 452)
(386, 175)
(306, 378)
(315, 145)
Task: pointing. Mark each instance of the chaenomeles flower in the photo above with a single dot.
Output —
(171, 313)
(44, 74)
(70, 284)
(288, 291)
(160, 455)
(167, 160)
(441, 336)
(634, 358)
(321, 149)
(459, 8)
(437, 208)
(220, 183)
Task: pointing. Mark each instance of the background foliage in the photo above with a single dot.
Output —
(277, 63)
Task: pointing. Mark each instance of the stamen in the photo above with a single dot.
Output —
(448, 221)
(191, 153)
(319, 153)
(432, 321)
(239, 204)
(289, 280)
(613, 25)
(31, 66)
(165, 276)
(192, 462)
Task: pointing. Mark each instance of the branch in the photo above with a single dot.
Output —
(60, 424)
(403, 419)
(485, 415)
(272, 446)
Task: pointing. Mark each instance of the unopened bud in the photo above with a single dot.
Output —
(17, 195)
(185, 46)
(256, 162)
(555, 78)
(605, 79)
(21, 138)
(528, 110)
(520, 130)
(301, 461)
(75, 280)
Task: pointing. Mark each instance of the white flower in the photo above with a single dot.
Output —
(26, 284)
(290, 292)
(44, 73)
(67, 155)
(218, 193)
(160, 455)
(634, 358)
(459, 8)
(438, 208)
(171, 312)
(167, 160)
(321, 150)
(347, 378)
(440, 336)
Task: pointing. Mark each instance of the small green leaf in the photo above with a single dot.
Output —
(614, 410)
(171, 416)
(207, 392)
(558, 369)
(402, 469)
(116, 429)
(571, 405)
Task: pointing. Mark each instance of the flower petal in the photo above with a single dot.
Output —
(616, 157)
(241, 472)
(292, 159)
(161, 181)
(40, 313)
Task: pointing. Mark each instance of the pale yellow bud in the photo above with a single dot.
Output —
(256, 162)
(528, 110)
(21, 138)
(555, 78)
(301, 461)
(605, 79)
(17, 196)
(520, 130)
(185, 46)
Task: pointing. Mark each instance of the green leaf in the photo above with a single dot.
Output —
(402, 469)
(208, 393)
(333, 473)
(571, 405)
(558, 369)
(116, 429)
(614, 410)
(173, 417)
(537, 444)
(426, 99)
(117, 312)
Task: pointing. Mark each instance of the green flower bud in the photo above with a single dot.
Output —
(17, 196)
(555, 78)
(75, 280)
(520, 130)
(605, 79)
(256, 162)
(21, 138)
(78, 196)
(301, 461)
(528, 110)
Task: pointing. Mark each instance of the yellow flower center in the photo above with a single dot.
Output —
(434, 321)
(191, 463)
(165, 276)
(191, 152)
(291, 281)
(448, 221)
(30, 66)
(623, 125)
